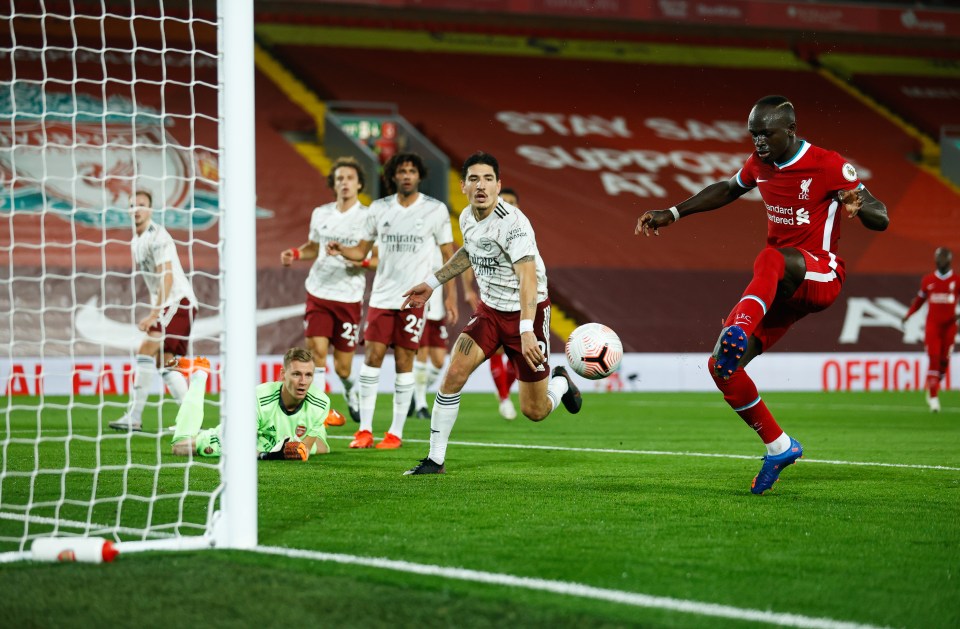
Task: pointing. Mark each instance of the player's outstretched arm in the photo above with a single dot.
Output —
(714, 196)
(417, 296)
(870, 210)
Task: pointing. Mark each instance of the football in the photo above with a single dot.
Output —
(594, 351)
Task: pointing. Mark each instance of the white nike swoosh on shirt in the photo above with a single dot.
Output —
(762, 180)
(94, 326)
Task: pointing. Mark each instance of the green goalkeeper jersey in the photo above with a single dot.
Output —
(275, 423)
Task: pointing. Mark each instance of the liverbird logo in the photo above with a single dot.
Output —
(83, 166)
(118, 180)
(805, 189)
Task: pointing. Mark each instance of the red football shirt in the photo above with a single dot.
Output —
(800, 195)
(942, 292)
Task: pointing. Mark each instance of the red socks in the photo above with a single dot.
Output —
(504, 374)
(741, 394)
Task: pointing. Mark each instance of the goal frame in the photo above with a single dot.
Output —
(234, 525)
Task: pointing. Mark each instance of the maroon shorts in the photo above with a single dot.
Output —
(335, 320)
(491, 329)
(394, 328)
(435, 334)
(176, 333)
(819, 288)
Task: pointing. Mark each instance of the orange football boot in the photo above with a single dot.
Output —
(362, 439)
(390, 442)
(334, 418)
(187, 366)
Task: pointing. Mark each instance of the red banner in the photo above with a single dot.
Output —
(802, 16)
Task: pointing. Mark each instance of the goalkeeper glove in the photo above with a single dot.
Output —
(290, 451)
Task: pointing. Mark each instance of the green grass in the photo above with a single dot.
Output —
(857, 543)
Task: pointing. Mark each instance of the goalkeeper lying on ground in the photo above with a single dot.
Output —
(290, 414)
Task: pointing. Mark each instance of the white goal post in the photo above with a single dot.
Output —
(98, 100)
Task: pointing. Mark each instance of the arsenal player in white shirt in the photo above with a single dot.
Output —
(335, 286)
(804, 189)
(173, 308)
(407, 227)
(514, 310)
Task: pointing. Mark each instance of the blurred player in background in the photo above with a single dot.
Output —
(514, 310)
(804, 189)
(173, 309)
(335, 286)
(407, 226)
(290, 414)
(433, 348)
(942, 290)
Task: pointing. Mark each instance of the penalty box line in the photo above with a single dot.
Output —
(568, 588)
(523, 446)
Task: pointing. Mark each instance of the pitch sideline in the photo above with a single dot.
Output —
(568, 588)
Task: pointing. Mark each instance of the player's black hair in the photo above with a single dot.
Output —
(390, 168)
(349, 162)
(780, 104)
(504, 191)
(480, 158)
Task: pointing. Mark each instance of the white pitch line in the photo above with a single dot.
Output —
(522, 446)
(574, 589)
(821, 408)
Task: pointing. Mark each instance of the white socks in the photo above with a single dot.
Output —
(348, 383)
(444, 416)
(420, 384)
(403, 391)
(424, 376)
(369, 383)
(320, 378)
(176, 382)
(142, 385)
(555, 390)
(779, 445)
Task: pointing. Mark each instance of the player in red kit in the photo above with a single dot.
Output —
(804, 189)
(941, 291)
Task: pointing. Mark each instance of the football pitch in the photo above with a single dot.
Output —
(636, 512)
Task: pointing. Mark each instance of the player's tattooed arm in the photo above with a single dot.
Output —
(457, 264)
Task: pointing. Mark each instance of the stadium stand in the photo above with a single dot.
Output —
(593, 138)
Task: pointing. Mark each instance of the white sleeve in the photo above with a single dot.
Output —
(443, 232)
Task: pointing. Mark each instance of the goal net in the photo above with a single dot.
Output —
(99, 100)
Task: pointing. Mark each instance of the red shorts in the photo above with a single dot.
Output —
(819, 288)
(335, 320)
(938, 339)
(176, 333)
(490, 329)
(435, 334)
(394, 328)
